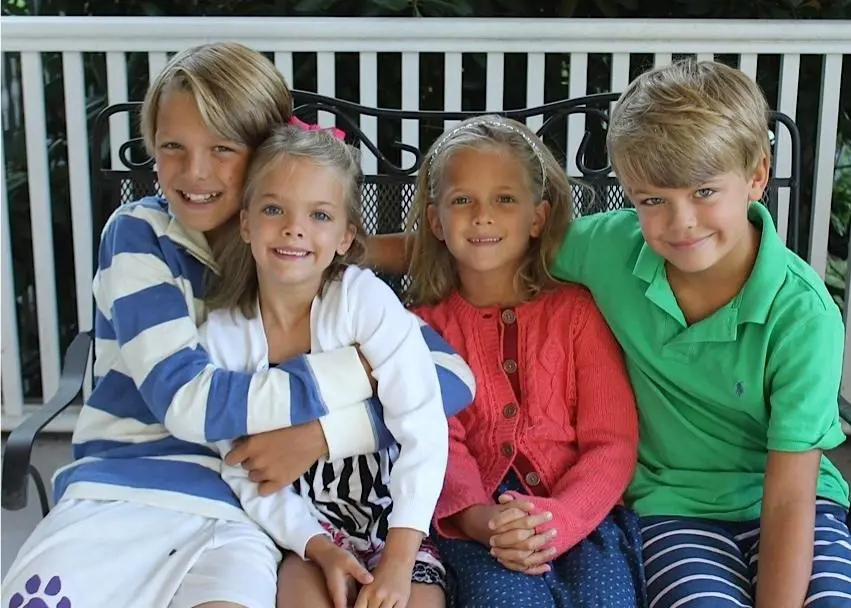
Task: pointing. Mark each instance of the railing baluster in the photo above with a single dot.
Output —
(284, 63)
(369, 98)
(788, 104)
(494, 82)
(325, 84)
(535, 73)
(578, 87)
(12, 384)
(452, 81)
(41, 220)
(410, 101)
(81, 194)
(828, 121)
(116, 86)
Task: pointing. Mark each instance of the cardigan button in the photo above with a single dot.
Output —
(510, 410)
(508, 316)
(533, 479)
(510, 366)
(507, 449)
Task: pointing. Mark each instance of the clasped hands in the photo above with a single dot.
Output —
(509, 529)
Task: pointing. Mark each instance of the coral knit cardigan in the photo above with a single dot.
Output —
(553, 403)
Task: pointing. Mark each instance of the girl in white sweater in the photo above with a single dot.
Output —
(288, 285)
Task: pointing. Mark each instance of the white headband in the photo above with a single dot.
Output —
(495, 124)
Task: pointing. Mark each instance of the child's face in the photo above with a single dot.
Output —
(200, 173)
(486, 212)
(695, 228)
(296, 222)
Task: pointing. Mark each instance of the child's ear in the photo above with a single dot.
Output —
(244, 232)
(347, 240)
(542, 212)
(759, 179)
(434, 222)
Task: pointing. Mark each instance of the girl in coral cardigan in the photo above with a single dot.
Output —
(530, 513)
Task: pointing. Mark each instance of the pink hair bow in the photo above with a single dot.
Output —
(295, 121)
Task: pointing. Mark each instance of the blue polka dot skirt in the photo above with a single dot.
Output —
(603, 570)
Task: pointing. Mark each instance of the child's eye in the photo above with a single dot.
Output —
(704, 192)
(170, 145)
(222, 149)
(321, 216)
(505, 198)
(652, 201)
(460, 200)
(271, 210)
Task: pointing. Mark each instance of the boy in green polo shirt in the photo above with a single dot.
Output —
(734, 349)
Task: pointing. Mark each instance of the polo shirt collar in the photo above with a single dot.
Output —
(193, 241)
(769, 271)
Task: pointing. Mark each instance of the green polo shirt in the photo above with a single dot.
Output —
(762, 373)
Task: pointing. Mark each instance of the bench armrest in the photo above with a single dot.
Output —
(16, 457)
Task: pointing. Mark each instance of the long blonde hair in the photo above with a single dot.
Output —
(433, 269)
(236, 284)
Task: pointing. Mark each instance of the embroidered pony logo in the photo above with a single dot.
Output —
(740, 388)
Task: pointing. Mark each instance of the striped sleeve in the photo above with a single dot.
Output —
(144, 297)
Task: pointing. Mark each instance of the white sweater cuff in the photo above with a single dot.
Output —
(341, 378)
(302, 536)
(349, 432)
(414, 513)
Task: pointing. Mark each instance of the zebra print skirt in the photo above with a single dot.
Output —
(351, 499)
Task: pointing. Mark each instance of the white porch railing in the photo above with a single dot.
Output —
(622, 40)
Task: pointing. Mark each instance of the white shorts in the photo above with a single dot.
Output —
(94, 554)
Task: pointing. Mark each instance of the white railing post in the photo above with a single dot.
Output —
(831, 77)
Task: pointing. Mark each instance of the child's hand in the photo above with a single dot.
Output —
(275, 459)
(514, 542)
(390, 589)
(341, 569)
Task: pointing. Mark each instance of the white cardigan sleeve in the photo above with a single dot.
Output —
(390, 339)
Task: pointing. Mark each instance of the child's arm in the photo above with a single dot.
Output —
(462, 488)
(391, 340)
(390, 253)
(803, 375)
(606, 433)
(285, 516)
(786, 529)
(143, 319)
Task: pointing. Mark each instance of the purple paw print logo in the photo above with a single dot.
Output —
(38, 597)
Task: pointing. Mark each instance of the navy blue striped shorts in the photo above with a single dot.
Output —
(699, 563)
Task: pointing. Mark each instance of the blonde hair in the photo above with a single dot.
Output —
(679, 125)
(240, 94)
(236, 285)
(433, 269)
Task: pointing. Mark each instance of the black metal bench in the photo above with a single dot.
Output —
(387, 196)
